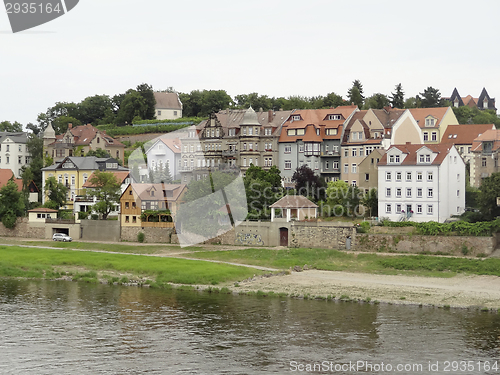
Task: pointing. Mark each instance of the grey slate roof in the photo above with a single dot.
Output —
(84, 162)
(17, 137)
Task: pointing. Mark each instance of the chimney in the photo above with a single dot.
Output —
(70, 126)
(270, 115)
(408, 143)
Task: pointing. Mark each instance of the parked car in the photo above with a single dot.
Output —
(61, 237)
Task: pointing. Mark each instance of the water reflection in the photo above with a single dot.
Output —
(63, 327)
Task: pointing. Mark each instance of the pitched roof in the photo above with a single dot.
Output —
(143, 191)
(318, 118)
(16, 137)
(411, 150)
(6, 175)
(293, 201)
(167, 100)
(84, 163)
(465, 134)
(43, 209)
(120, 176)
(420, 114)
(84, 134)
(489, 135)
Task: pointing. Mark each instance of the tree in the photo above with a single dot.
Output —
(262, 189)
(370, 201)
(342, 199)
(146, 91)
(34, 145)
(468, 115)
(107, 190)
(56, 193)
(60, 124)
(333, 100)
(430, 98)
(100, 153)
(398, 97)
(376, 101)
(253, 100)
(27, 177)
(95, 110)
(413, 102)
(7, 126)
(354, 97)
(489, 191)
(308, 184)
(11, 204)
(133, 105)
(356, 84)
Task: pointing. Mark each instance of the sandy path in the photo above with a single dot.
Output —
(458, 291)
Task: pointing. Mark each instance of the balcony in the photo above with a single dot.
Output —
(312, 153)
(230, 152)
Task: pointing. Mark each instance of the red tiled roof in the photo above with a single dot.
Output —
(489, 135)
(6, 175)
(420, 114)
(411, 150)
(172, 143)
(43, 209)
(317, 117)
(465, 134)
(143, 191)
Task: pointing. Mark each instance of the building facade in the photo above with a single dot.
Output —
(168, 106)
(14, 152)
(421, 183)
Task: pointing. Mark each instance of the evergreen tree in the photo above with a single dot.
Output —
(355, 97)
(398, 97)
(356, 83)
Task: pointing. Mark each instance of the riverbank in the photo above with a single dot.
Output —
(377, 278)
(461, 291)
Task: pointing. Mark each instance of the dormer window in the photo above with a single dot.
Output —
(485, 104)
(391, 158)
(296, 118)
(334, 117)
(397, 158)
(429, 122)
(317, 131)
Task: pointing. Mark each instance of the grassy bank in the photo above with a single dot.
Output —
(48, 263)
(333, 260)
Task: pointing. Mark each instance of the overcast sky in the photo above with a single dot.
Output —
(273, 47)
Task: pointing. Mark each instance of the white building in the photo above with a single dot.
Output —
(164, 151)
(14, 152)
(168, 106)
(421, 183)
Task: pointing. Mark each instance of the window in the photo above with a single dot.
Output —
(353, 183)
(296, 118)
(398, 208)
(455, 159)
(354, 168)
(458, 193)
(419, 208)
(408, 192)
(335, 165)
(398, 176)
(59, 178)
(346, 168)
(300, 131)
(354, 136)
(346, 152)
(388, 192)
(427, 158)
(288, 148)
(367, 177)
(7, 159)
(429, 193)
(20, 159)
(361, 151)
(134, 219)
(133, 203)
(354, 152)
(434, 136)
(429, 122)
(159, 113)
(250, 131)
(397, 158)
(387, 208)
(333, 117)
(245, 131)
(398, 193)
(421, 158)
(458, 177)
(8, 146)
(388, 176)
(419, 193)
(419, 176)
(288, 164)
(429, 176)
(20, 147)
(408, 176)
(127, 219)
(126, 205)
(391, 159)
(483, 162)
(301, 147)
(426, 136)
(429, 209)
(72, 179)
(327, 164)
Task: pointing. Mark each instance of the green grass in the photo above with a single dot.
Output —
(333, 260)
(116, 248)
(48, 263)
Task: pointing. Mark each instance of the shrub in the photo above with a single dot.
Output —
(82, 215)
(363, 227)
(140, 237)
(94, 216)
(9, 220)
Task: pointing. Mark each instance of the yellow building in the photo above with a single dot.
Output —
(433, 122)
(73, 172)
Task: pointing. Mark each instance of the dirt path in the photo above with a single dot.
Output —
(458, 291)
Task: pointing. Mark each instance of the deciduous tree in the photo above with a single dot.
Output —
(107, 191)
(55, 192)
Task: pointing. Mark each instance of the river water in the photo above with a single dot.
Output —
(75, 328)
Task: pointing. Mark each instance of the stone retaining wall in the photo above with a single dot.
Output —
(23, 229)
(156, 235)
(452, 245)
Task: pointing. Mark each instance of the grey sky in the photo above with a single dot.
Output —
(273, 47)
